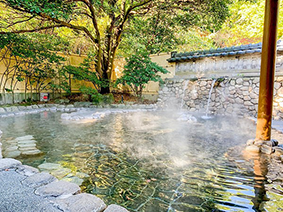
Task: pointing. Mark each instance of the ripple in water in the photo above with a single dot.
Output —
(149, 161)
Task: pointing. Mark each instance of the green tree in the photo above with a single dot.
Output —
(170, 26)
(245, 24)
(104, 22)
(29, 59)
(138, 71)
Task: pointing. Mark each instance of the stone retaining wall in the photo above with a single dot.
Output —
(238, 96)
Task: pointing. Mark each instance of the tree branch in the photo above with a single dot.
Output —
(32, 30)
(18, 22)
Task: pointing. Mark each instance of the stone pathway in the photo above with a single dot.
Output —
(25, 189)
(24, 145)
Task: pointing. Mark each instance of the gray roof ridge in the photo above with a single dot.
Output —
(220, 52)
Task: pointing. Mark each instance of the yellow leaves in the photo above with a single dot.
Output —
(103, 22)
(245, 25)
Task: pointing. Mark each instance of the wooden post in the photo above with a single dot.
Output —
(268, 61)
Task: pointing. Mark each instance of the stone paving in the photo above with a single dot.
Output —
(25, 189)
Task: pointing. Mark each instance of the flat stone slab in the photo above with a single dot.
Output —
(27, 148)
(32, 152)
(9, 163)
(60, 173)
(81, 175)
(24, 138)
(26, 142)
(73, 179)
(56, 189)
(49, 166)
(115, 208)
(81, 203)
(10, 148)
(12, 154)
(27, 170)
(16, 197)
(38, 180)
(11, 142)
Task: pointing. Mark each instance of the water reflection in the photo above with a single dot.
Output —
(260, 167)
(149, 161)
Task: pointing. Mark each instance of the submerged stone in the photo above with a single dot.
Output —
(115, 208)
(32, 152)
(81, 202)
(253, 148)
(49, 166)
(60, 173)
(23, 138)
(28, 145)
(11, 141)
(266, 149)
(278, 151)
(12, 154)
(27, 148)
(10, 148)
(26, 142)
(250, 142)
(73, 179)
(81, 175)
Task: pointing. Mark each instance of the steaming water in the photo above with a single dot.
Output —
(148, 161)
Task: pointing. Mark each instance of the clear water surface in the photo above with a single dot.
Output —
(149, 161)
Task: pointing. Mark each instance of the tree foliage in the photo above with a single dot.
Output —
(245, 24)
(84, 72)
(138, 71)
(29, 59)
(164, 28)
(103, 23)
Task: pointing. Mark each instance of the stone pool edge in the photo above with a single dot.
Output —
(62, 195)
(41, 182)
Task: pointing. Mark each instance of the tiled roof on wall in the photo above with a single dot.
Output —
(220, 52)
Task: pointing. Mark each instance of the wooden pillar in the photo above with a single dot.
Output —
(268, 61)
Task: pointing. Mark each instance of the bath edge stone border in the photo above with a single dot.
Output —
(12, 110)
(63, 195)
(88, 202)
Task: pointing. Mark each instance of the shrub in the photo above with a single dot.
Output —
(92, 93)
(138, 71)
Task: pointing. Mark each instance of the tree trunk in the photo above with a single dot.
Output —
(105, 89)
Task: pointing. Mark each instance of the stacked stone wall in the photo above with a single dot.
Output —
(229, 96)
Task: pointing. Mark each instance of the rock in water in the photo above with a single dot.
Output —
(49, 166)
(24, 138)
(32, 152)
